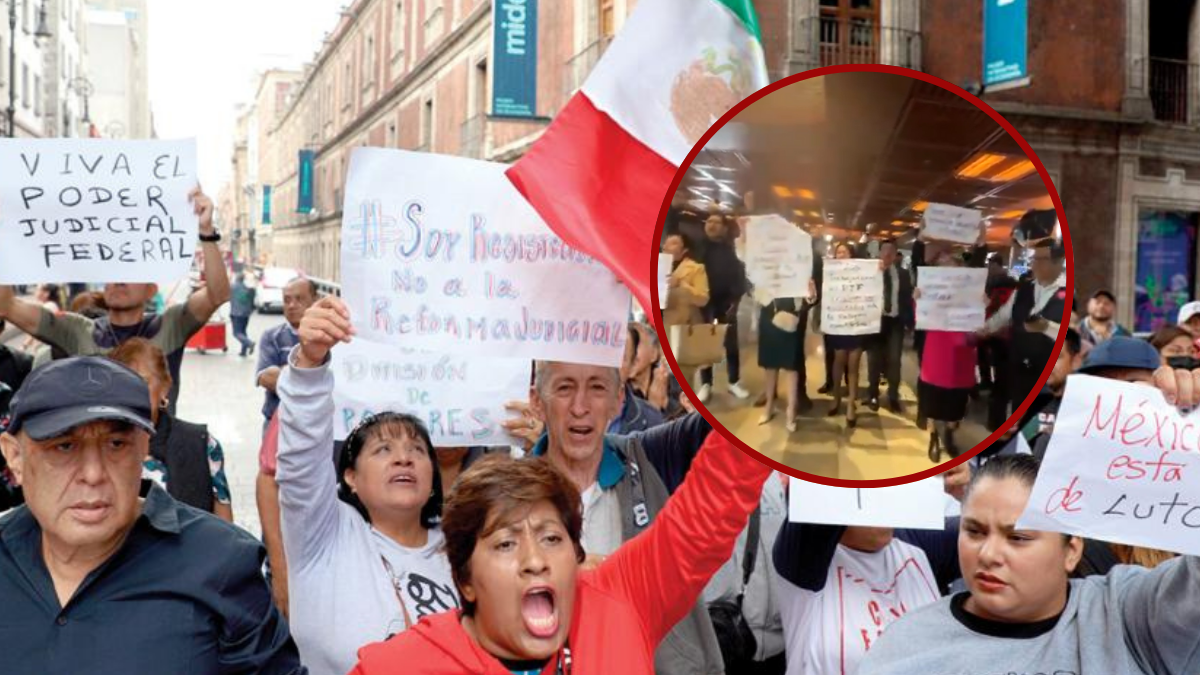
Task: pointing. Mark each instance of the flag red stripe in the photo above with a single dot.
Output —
(599, 189)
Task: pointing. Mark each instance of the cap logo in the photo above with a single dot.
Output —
(102, 409)
(95, 382)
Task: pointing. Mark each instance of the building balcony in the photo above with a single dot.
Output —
(580, 65)
(836, 41)
(474, 137)
(1173, 90)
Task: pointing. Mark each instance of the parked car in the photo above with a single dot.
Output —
(269, 298)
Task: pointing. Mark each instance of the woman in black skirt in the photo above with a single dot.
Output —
(782, 349)
(847, 354)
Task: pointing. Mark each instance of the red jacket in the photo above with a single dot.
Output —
(625, 607)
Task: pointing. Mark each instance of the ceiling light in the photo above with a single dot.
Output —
(781, 191)
(711, 167)
(805, 194)
(977, 165)
(814, 214)
(1010, 214)
(1014, 172)
(918, 206)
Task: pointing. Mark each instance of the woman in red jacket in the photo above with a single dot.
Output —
(512, 532)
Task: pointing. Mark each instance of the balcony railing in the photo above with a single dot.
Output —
(474, 136)
(581, 65)
(835, 41)
(1173, 89)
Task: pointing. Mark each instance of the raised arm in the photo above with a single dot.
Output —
(662, 571)
(308, 502)
(671, 447)
(204, 302)
(22, 313)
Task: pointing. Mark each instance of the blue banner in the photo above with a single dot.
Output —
(304, 174)
(514, 58)
(1005, 38)
(1166, 270)
(266, 212)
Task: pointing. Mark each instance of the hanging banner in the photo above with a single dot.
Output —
(304, 193)
(1005, 38)
(514, 58)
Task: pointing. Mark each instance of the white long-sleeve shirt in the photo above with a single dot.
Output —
(1041, 296)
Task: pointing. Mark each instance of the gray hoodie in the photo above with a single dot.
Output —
(1133, 620)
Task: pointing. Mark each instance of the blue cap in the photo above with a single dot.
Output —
(62, 395)
(1122, 352)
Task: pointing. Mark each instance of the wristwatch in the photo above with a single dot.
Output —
(211, 238)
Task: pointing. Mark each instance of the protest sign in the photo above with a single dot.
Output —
(951, 223)
(93, 210)
(952, 299)
(664, 274)
(852, 301)
(460, 399)
(917, 505)
(1121, 466)
(442, 253)
(778, 257)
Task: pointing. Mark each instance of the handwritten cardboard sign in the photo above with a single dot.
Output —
(852, 302)
(664, 274)
(1122, 466)
(917, 505)
(460, 400)
(778, 257)
(443, 254)
(944, 222)
(92, 210)
(951, 299)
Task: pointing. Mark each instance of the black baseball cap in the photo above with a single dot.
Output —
(62, 395)
(1106, 293)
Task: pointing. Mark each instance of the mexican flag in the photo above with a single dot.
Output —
(601, 171)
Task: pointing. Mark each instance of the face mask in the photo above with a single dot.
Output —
(1183, 362)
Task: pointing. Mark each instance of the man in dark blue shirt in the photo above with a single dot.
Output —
(102, 575)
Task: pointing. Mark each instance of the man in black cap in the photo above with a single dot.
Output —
(1099, 324)
(101, 574)
(1034, 313)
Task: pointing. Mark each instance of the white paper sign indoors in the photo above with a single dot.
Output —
(778, 257)
(460, 400)
(443, 254)
(1122, 466)
(95, 210)
(917, 505)
(853, 297)
(952, 299)
(952, 223)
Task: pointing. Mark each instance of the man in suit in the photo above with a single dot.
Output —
(887, 347)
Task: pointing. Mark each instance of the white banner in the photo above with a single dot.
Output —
(664, 274)
(916, 505)
(778, 257)
(952, 223)
(1122, 466)
(952, 299)
(94, 210)
(460, 400)
(443, 254)
(851, 297)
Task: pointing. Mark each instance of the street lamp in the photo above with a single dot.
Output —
(43, 31)
(83, 87)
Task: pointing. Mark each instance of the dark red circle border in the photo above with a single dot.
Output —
(821, 72)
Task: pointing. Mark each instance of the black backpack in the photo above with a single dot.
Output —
(738, 645)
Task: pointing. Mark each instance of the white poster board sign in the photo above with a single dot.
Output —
(952, 299)
(778, 257)
(1122, 466)
(944, 222)
(852, 297)
(94, 210)
(460, 399)
(443, 254)
(664, 274)
(917, 505)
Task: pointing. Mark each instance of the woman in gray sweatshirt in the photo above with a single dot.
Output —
(1021, 614)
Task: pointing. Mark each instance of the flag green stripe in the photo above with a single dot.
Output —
(744, 10)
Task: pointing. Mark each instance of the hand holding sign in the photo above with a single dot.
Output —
(202, 206)
(324, 325)
(1179, 387)
(1119, 467)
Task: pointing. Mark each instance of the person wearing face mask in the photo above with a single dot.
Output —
(514, 539)
(1175, 346)
(361, 539)
(1022, 613)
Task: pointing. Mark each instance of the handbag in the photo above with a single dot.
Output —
(698, 345)
(785, 321)
(734, 634)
